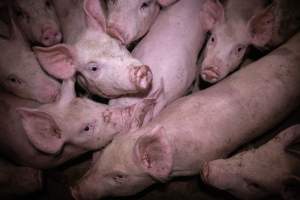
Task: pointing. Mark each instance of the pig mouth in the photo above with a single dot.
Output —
(210, 74)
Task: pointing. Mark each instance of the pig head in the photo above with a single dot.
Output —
(78, 123)
(129, 21)
(20, 72)
(102, 64)
(258, 173)
(38, 21)
(145, 159)
(231, 35)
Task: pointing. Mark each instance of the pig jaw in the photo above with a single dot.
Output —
(107, 68)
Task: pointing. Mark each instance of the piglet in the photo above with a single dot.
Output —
(79, 124)
(240, 24)
(204, 126)
(258, 173)
(103, 65)
(38, 21)
(130, 20)
(171, 49)
(17, 180)
(20, 72)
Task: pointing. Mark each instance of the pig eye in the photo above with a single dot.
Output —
(88, 128)
(12, 79)
(240, 49)
(93, 66)
(146, 4)
(48, 4)
(212, 39)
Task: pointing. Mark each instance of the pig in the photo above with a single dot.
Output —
(103, 65)
(257, 173)
(72, 19)
(129, 21)
(78, 124)
(20, 72)
(201, 127)
(172, 59)
(38, 21)
(240, 25)
(17, 180)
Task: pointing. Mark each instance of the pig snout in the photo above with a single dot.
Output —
(141, 77)
(117, 33)
(211, 74)
(50, 36)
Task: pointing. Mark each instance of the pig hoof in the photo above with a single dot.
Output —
(210, 75)
(142, 77)
(204, 173)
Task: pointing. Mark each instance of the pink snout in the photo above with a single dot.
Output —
(50, 36)
(210, 74)
(141, 77)
(115, 32)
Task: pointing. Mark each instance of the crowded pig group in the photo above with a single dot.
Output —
(114, 78)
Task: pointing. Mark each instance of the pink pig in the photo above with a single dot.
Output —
(79, 124)
(20, 72)
(38, 21)
(240, 24)
(130, 20)
(102, 64)
(171, 50)
(258, 173)
(205, 126)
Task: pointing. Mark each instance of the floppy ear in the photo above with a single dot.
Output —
(261, 26)
(41, 130)
(57, 60)
(95, 14)
(154, 153)
(165, 3)
(213, 12)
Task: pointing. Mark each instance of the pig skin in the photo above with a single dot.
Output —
(205, 126)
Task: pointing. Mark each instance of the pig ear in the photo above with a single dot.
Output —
(154, 153)
(261, 26)
(165, 3)
(213, 12)
(41, 130)
(95, 14)
(57, 60)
